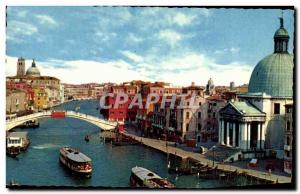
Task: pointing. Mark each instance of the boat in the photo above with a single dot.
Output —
(30, 124)
(13, 151)
(13, 183)
(87, 138)
(16, 142)
(76, 161)
(142, 177)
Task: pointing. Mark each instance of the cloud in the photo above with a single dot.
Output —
(80, 71)
(105, 36)
(177, 69)
(204, 12)
(16, 30)
(132, 56)
(183, 19)
(132, 38)
(46, 20)
(188, 67)
(171, 17)
(22, 13)
(232, 50)
(170, 36)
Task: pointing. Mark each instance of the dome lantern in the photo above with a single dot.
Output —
(33, 63)
(281, 38)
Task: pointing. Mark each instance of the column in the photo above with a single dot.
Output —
(227, 133)
(222, 132)
(239, 135)
(243, 136)
(248, 135)
(263, 136)
(233, 135)
(258, 136)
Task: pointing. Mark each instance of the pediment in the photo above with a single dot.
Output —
(229, 110)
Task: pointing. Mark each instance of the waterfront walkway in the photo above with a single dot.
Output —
(168, 147)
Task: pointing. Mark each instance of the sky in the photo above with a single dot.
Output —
(117, 44)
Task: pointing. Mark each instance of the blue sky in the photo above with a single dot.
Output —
(177, 45)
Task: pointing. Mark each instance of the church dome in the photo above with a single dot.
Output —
(33, 70)
(273, 75)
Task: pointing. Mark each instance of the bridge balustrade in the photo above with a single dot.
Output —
(95, 120)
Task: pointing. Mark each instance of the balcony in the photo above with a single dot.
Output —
(287, 147)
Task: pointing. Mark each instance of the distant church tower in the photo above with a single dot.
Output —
(21, 67)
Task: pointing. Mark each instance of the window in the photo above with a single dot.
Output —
(187, 115)
(288, 125)
(199, 127)
(199, 115)
(288, 140)
(200, 103)
(208, 125)
(276, 108)
(187, 127)
(214, 115)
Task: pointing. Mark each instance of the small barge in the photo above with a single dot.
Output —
(76, 161)
(16, 142)
(30, 124)
(142, 177)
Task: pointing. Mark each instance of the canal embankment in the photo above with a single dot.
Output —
(221, 168)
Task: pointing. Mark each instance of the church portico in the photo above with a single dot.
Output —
(242, 126)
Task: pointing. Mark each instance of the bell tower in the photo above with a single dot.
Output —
(21, 67)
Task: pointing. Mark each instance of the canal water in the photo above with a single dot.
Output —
(39, 165)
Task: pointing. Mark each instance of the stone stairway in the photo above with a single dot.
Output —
(221, 153)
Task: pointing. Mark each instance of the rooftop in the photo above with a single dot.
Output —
(247, 109)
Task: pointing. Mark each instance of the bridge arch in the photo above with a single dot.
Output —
(101, 123)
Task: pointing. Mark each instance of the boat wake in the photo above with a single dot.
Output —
(46, 146)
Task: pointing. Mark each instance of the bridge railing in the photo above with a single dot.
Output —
(93, 118)
(70, 113)
(31, 116)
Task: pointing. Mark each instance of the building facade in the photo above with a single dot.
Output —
(288, 139)
(15, 101)
(208, 116)
(260, 113)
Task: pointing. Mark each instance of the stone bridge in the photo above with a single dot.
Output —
(101, 123)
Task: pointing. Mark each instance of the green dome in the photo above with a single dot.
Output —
(281, 32)
(273, 75)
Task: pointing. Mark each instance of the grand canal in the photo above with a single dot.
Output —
(39, 165)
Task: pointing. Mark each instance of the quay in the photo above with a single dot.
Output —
(166, 147)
